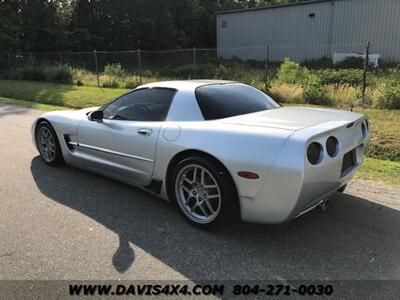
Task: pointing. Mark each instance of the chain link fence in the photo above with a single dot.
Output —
(313, 56)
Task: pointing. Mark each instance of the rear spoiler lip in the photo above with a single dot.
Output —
(310, 133)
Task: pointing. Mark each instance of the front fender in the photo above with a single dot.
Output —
(65, 123)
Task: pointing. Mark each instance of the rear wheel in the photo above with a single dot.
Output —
(47, 144)
(203, 192)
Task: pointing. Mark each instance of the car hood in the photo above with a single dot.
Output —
(293, 118)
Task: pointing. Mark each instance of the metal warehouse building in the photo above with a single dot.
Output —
(310, 30)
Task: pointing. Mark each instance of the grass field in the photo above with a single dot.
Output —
(384, 171)
(57, 94)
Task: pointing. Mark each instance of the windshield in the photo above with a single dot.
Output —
(218, 101)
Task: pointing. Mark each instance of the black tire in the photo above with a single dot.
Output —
(228, 198)
(341, 190)
(57, 159)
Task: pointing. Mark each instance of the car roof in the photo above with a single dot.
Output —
(184, 84)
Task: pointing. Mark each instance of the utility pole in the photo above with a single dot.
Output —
(364, 82)
(139, 59)
(97, 67)
(266, 84)
(194, 62)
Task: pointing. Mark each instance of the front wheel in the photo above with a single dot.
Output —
(203, 192)
(47, 144)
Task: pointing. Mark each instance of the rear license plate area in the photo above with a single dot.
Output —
(349, 161)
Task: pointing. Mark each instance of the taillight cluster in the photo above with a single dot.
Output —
(315, 151)
(332, 146)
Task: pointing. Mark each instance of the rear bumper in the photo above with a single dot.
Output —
(320, 199)
(269, 209)
(293, 186)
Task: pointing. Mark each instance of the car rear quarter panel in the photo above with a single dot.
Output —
(237, 147)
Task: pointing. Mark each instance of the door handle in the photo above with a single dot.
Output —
(145, 131)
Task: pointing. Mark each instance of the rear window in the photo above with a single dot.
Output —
(218, 101)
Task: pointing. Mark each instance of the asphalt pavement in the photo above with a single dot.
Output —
(65, 223)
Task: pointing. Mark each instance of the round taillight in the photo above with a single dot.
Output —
(314, 153)
(364, 130)
(332, 146)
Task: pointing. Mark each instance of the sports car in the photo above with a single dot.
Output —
(218, 150)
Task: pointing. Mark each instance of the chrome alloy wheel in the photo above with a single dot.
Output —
(198, 193)
(46, 144)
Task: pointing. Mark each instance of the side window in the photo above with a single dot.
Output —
(141, 105)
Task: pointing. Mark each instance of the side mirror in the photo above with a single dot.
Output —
(96, 115)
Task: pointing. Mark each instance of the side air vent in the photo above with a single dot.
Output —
(68, 142)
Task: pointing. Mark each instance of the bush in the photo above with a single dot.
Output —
(84, 77)
(184, 71)
(222, 72)
(261, 86)
(292, 73)
(59, 74)
(315, 91)
(346, 96)
(147, 73)
(114, 70)
(349, 77)
(132, 82)
(205, 71)
(321, 63)
(31, 73)
(351, 63)
(388, 94)
(287, 93)
(110, 83)
(188, 71)
(9, 75)
(255, 63)
(394, 73)
(385, 64)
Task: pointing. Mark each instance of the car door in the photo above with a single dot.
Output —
(123, 144)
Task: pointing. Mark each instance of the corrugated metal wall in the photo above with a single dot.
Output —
(290, 31)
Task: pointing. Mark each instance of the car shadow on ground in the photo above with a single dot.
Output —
(353, 239)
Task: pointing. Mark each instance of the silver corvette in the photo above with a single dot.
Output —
(216, 149)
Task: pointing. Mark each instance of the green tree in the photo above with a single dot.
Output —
(9, 27)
